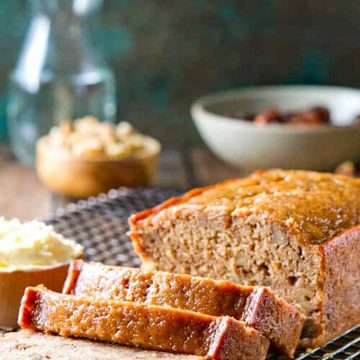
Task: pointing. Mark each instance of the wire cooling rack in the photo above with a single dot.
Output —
(100, 224)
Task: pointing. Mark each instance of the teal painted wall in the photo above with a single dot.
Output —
(167, 53)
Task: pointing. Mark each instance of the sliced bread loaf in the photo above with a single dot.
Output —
(294, 231)
(146, 326)
(256, 306)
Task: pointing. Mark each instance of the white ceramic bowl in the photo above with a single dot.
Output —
(248, 146)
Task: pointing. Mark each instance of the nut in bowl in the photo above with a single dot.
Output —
(294, 134)
(31, 253)
(87, 157)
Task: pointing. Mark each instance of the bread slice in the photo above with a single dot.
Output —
(147, 326)
(294, 231)
(258, 307)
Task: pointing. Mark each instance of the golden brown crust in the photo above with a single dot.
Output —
(258, 307)
(318, 205)
(28, 304)
(198, 294)
(265, 312)
(341, 284)
(152, 327)
(134, 219)
(167, 203)
(73, 274)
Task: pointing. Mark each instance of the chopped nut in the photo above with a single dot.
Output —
(346, 168)
(322, 113)
(87, 124)
(117, 150)
(268, 116)
(314, 116)
(88, 148)
(89, 138)
(311, 116)
(107, 133)
(124, 130)
(66, 127)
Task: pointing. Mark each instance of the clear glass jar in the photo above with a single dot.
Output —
(59, 75)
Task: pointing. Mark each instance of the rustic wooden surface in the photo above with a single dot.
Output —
(24, 345)
(23, 196)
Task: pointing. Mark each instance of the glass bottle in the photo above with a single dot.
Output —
(59, 75)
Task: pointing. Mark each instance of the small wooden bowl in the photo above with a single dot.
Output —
(81, 178)
(13, 284)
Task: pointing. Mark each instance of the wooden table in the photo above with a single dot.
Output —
(24, 197)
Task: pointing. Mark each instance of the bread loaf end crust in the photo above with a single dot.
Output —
(135, 232)
(264, 311)
(145, 326)
(228, 342)
(272, 316)
(72, 276)
(341, 274)
(28, 303)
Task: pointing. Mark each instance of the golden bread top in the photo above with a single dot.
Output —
(318, 205)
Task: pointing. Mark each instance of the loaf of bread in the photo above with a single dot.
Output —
(295, 231)
(256, 306)
(146, 326)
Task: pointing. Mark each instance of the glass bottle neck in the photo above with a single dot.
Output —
(58, 43)
(65, 8)
(69, 25)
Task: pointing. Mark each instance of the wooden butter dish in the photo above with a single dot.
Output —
(13, 284)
